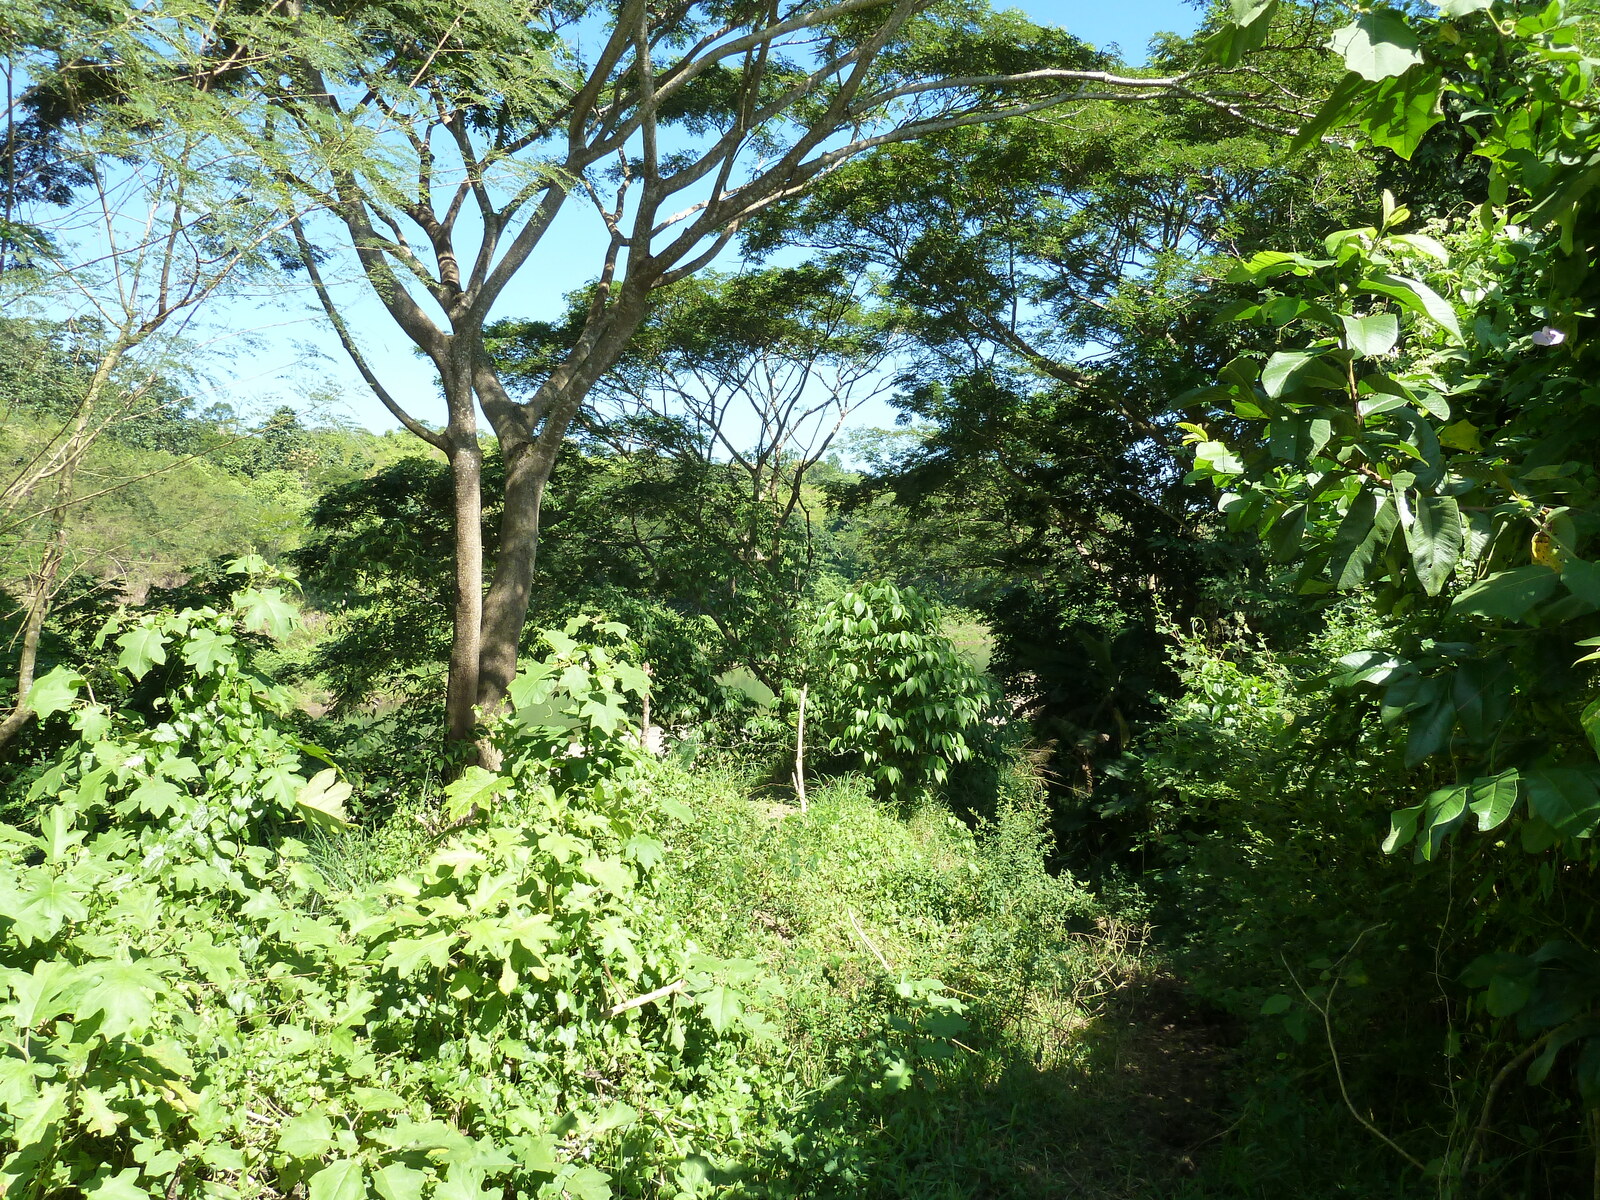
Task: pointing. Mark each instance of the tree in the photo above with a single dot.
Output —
(679, 126)
(117, 245)
(713, 423)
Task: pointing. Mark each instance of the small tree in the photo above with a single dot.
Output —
(894, 688)
(118, 253)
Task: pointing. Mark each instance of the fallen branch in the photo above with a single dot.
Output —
(661, 993)
(867, 942)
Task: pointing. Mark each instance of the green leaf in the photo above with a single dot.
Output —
(1352, 559)
(722, 1006)
(1565, 798)
(1591, 724)
(207, 650)
(407, 955)
(322, 799)
(1401, 110)
(1340, 108)
(157, 797)
(1435, 538)
(1416, 296)
(1291, 370)
(1246, 31)
(1582, 579)
(1372, 336)
(125, 993)
(1402, 828)
(399, 1182)
(1377, 45)
(309, 1135)
(1492, 798)
(1509, 595)
(53, 692)
(587, 1183)
(1462, 8)
(266, 610)
(474, 791)
(121, 1186)
(341, 1179)
(142, 647)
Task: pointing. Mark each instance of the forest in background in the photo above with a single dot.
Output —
(1163, 764)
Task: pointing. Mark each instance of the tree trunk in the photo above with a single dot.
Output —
(466, 640)
(506, 609)
(39, 597)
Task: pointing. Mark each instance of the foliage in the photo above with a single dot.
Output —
(192, 1007)
(1417, 437)
(893, 690)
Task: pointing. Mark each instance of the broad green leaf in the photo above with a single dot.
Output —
(399, 1182)
(407, 955)
(207, 651)
(322, 799)
(587, 1183)
(142, 648)
(1340, 108)
(53, 692)
(722, 1006)
(1402, 828)
(1443, 811)
(474, 790)
(309, 1135)
(1371, 336)
(266, 610)
(341, 1179)
(1377, 45)
(1214, 456)
(1591, 724)
(1565, 798)
(1462, 8)
(1246, 31)
(123, 1185)
(1399, 112)
(1416, 296)
(125, 993)
(463, 1182)
(1582, 579)
(1492, 798)
(1435, 539)
(1509, 595)
(1352, 559)
(1290, 370)
(154, 796)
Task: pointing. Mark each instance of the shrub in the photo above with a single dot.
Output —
(895, 691)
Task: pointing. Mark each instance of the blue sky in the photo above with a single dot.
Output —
(294, 353)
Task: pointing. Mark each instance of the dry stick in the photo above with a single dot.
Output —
(868, 943)
(800, 751)
(1338, 1071)
(1498, 1082)
(661, 993)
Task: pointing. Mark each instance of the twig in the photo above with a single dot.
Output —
(867, 942)
(1325, 1010)
(661, 993)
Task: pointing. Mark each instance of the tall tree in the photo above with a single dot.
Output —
(729, 396)
(117, 250)
(677, 124)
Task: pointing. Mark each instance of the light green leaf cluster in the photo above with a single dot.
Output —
(189, 1007)
(896, 691)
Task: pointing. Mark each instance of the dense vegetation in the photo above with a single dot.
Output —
(1166, 763)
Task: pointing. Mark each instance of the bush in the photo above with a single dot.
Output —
(895, 691)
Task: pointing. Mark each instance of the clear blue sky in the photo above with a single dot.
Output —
(298, 353)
